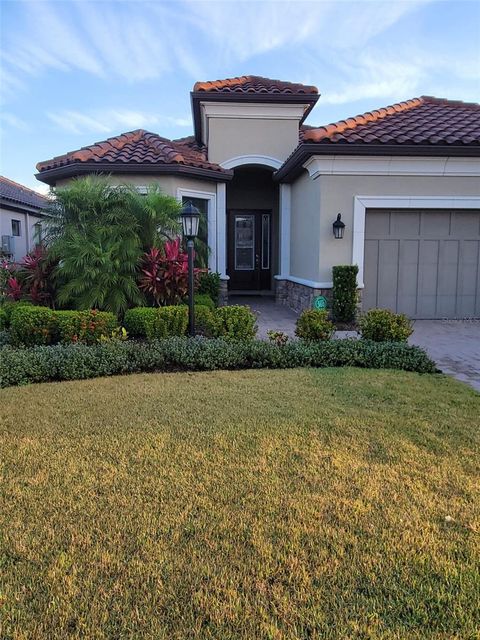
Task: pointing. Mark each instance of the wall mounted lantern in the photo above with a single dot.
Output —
(338, 227)
(190, 219)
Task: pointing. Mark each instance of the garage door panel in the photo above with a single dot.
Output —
(370, 273)
(404, 225)
(387, 275)
(408, 277)
(423, 263)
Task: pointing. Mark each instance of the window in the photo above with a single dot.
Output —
(201, 242)
(37, 233)
(245, 243)
(16, 228)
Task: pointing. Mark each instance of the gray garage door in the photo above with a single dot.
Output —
(423, 263)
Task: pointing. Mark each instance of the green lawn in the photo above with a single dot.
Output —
(259, 504)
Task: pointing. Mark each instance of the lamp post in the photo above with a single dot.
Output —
(338, 227)
(190, 219)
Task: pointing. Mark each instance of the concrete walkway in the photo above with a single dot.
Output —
(453, 344)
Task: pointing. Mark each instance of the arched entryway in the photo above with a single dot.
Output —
(252, 201)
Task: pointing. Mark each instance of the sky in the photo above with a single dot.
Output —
(73, 72)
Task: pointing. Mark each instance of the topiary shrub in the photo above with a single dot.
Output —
(236, 322)
(209, 283)
(31, 325)
(313, 324)
(344, 292)
(383, 325)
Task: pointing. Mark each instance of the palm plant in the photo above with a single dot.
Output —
(93, 233)
(157, 216)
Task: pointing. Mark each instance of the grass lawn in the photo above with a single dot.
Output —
(259, 504)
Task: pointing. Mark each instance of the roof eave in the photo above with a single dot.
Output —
(50, 176)
(196, 97)
(17, 205)
(293, 166)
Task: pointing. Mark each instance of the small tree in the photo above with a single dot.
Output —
(344, 292)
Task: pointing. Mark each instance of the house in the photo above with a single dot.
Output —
(405, 180)
(21, 219)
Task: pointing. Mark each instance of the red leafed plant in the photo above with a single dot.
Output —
(164, 274)
(38, 268)
(14, 289)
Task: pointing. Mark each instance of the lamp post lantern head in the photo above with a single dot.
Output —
(190, 219)
(338, 227)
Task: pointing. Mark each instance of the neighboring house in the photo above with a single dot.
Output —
(21, 219)
(405, 179)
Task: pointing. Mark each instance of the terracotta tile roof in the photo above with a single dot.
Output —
(420, 121)
(140, 147)
(16, 192)
(254, 84)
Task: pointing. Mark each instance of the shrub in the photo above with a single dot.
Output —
(344, 292)
(209, 283)
(5, 338)
(168, 321)
(383, 325)
(31, 325)
(313, 324)
(82, 326)
(207, 322)
(7, 308)
(205, 300)
(278, 337)
(164, 274)
(136, 321)
(236, 322)
(79, 361)
(39, 325)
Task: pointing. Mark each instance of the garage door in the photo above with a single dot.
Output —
(423, 263)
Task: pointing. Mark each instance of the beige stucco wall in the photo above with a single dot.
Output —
(26, 241)
(305, 228)
(169, 184)
(337, 196)
(232, 137)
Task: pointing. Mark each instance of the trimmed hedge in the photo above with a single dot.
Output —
(344, 292)
(234, 322)
(31, 326)
(79, 361)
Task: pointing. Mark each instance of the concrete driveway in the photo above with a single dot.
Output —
(453, 344)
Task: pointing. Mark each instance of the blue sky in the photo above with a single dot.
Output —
(77, 71)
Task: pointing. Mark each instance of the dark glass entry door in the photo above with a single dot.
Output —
(249, 249)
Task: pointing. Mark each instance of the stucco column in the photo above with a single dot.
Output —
(222, 230)
(284, 227)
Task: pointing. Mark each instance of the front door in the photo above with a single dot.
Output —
(249, 249)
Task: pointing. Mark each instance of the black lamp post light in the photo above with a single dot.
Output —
(190, 220)
(338, 227)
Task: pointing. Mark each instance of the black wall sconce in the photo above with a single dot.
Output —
(338, 227)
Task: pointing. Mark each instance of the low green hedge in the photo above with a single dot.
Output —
(32, 326)
(383, 325)
(234, 322)
(79, 361)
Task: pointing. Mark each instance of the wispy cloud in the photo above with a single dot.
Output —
(10, 120)
(111, 120)
(117, 39)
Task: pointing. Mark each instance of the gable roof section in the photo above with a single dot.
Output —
(136, 151)
(421, 126)
(254, 85)
(19, 195)
(251, 89)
